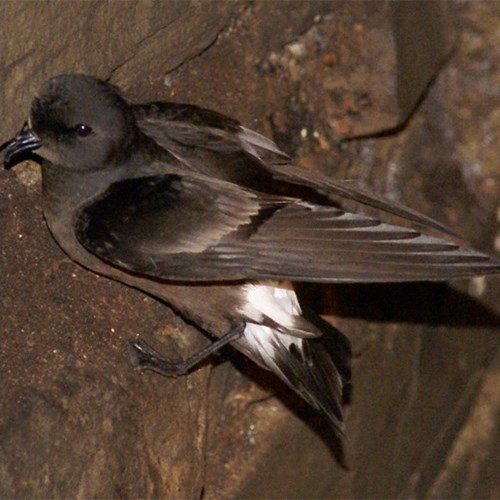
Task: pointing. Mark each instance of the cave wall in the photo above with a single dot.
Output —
(401, 96)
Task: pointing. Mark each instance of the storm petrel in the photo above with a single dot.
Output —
(213, 218)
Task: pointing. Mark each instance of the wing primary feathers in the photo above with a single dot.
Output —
(344, 190)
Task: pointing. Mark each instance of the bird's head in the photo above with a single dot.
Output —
(77, 122)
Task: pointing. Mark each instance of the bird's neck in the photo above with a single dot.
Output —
(69, 189)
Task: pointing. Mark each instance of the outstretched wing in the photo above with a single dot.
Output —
(195, 228)
(216, 145)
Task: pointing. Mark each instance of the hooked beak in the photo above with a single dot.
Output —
(15, 149)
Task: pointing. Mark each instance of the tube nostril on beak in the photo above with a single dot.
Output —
(16, 149)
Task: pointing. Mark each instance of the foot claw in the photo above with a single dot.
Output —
(144, 357)
(141, 351)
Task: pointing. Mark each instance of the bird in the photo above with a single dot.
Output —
(192, 207)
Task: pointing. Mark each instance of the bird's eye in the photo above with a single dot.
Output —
(83, 130)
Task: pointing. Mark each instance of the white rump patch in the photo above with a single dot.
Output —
(266, 341)
(277, 301)
(274, 299)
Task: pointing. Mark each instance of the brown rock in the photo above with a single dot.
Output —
(76, 420)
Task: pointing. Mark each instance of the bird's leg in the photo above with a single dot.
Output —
(145, 357)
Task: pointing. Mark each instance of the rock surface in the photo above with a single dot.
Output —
(418, 81)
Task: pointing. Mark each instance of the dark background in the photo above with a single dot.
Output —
(401, 97)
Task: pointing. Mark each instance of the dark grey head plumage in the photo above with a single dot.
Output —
(81, 122)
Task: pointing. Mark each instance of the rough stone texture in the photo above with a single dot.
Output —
(76, 420)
